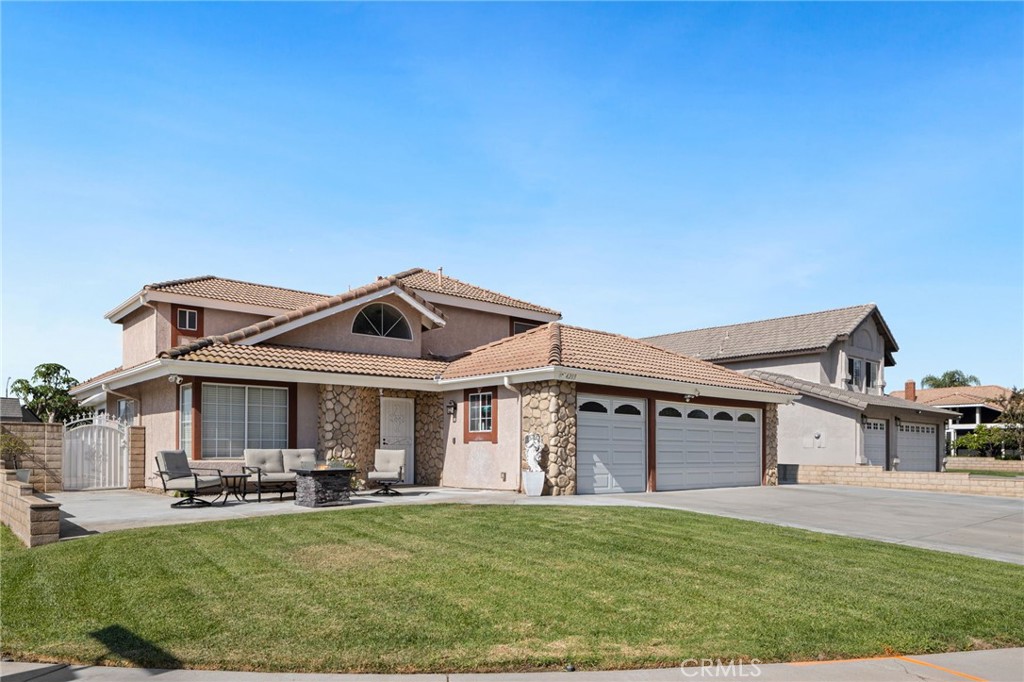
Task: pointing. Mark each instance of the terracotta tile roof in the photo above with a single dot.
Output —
(314, 360)
(426, 280)
(291, 316)
(249, 293)
(574, 347)
(843, 397)
(959, 395)
(778, 336)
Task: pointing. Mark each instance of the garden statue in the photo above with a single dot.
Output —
(534, 445)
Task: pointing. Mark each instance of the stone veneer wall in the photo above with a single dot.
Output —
(549, 408)
(349, 418)
(34, 520)
(771, 444)
(46, 456)
(985, 464)
(136, 457)
(876, 477)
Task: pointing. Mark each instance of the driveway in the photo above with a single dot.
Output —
(987, 527)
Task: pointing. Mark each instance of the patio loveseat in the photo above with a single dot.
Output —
(273, 469)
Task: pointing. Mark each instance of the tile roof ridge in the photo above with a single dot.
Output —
(174, 282)
(280, 346)
(407, 273)
(188, 280)
(555, 351)
(872, 306)
(296, 314)
(444, 276)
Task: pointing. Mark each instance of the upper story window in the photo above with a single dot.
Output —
(861, 374)
(380, 319)
(188, 319)
(520, 326)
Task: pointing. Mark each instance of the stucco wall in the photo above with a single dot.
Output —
(224, 321)
(335, 333)
(807, 367)
(465, 329)
(838, 428)
(306, 417)
(158, 413)
(481, 464)
(138, 337)
(865, 343)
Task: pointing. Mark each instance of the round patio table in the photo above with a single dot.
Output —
(234, 484)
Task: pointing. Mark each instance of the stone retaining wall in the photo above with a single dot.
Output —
(46, 456)
(33, 520)
(549, 408)
(985, 464)
(943, 482)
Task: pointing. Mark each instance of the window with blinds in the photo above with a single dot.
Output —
(239, 417)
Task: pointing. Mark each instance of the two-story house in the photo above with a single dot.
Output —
(454, 374)
(836, 360)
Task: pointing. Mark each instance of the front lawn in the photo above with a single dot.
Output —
(985, 472)
(460, 587)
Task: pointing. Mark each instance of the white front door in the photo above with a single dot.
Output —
(398, 429)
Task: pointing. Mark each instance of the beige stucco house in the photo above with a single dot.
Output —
(836, 361)
(454, 374)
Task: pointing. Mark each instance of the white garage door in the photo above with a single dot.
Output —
(916, 447)
(707, 447)
(874, 442)
(610, 445)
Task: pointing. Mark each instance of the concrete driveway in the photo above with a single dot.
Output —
(987, 527)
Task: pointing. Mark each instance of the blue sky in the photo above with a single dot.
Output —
(643, 168)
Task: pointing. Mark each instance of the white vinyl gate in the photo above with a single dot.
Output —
(95, 454)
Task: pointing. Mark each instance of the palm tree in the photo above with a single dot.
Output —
(953, 377)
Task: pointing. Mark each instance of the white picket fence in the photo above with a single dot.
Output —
(95, 454)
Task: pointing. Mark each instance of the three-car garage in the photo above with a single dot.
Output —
(694, 445)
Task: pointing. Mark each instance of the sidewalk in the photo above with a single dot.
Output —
(997, 665)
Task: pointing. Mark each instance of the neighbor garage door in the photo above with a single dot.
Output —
(874, 442)
(610, 445)
(699, 446)
(916, 446)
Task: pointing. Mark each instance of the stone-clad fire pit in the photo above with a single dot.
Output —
(323, 487)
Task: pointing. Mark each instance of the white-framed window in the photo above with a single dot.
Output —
(185, 419)
(855, 373)
(480, 412)
(520, 326)
(380, 319)
(188, 319)
(870, 374)
(239, 417)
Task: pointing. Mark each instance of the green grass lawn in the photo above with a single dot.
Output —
(460, 587)
(985, 472)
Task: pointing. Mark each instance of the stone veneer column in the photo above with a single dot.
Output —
(549, 408)
(771, 444)
(136, 457)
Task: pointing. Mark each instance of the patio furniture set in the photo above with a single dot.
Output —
(275, 470)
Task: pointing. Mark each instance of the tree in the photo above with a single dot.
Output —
(953, 377)
(47, 394)
(1012, 418)
(988, 441)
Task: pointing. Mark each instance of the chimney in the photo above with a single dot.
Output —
(910, 391)
(440, 274)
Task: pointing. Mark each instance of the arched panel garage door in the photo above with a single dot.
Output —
(701, 446)
(917, 447)
(610, 445)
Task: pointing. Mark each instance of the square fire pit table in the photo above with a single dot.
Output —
(323, 487)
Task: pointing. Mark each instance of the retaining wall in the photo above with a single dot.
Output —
(34, 520)
(46, 453)
(933, 481)
(985, 464)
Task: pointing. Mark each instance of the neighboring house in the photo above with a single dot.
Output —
(976, 405)
(452, 373)
(11, 410)
(836, 360)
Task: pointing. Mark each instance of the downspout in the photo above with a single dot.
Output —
(519, 449)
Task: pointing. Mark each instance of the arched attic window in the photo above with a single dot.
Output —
(380, 319)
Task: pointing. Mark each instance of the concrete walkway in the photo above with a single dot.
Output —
(987, 527)
(997, 665)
